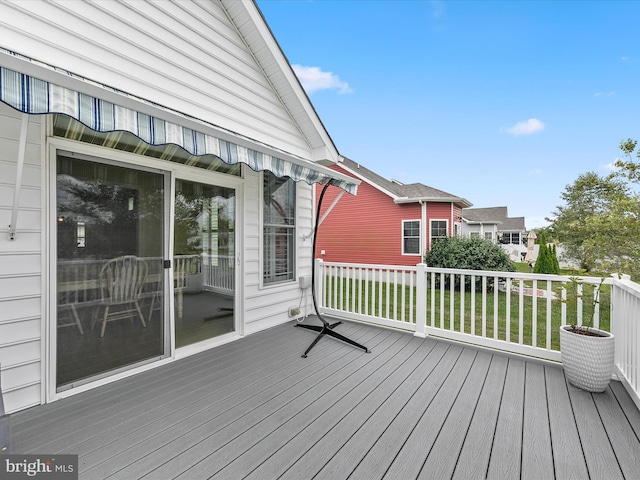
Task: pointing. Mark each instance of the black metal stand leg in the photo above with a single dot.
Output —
(327, 329)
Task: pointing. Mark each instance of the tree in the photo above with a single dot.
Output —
(546, 261)
(556, 263)
(590, 196)
(599, 225)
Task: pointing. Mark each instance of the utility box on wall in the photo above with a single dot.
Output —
(304, 281)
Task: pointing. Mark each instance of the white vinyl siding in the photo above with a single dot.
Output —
(20, 265)
(145, 48)
(187, 56)
(267, 307)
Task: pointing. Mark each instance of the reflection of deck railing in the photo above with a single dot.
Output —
(78, 279)
(78, 284)
(218, 273)
(194, 273)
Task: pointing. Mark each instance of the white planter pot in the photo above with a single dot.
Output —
(587, 360)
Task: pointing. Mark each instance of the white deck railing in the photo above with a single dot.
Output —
(522, 315)
(625, 325)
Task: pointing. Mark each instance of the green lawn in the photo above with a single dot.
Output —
(378, 299)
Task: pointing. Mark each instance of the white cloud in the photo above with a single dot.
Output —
(536, 222)
(528, 127)
(625, 58)
(314, 79)
(609, 167)
(604, 94)
(535, 172)
(438, 9)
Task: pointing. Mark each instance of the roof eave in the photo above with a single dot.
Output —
(461, 201)
(322, 148)
(481, 222)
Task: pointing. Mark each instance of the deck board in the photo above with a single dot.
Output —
(378, 430)
(307, 427)
(275, 414)
(353, 410)
(359, 428)
(506, 452)
(567, 450)
(628, 406)
(439, 464)
(247, 405)
(473, 460)
(409, 461)
(537, 459)
(400, 407)
(412, 408)
(599, 454)
(621, 435)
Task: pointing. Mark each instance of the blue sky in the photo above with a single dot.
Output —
(501, 102)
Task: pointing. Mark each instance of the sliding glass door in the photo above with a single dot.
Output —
(110, 237)
(204, 261)
(114, 267)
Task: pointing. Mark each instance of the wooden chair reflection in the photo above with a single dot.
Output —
(74, 319)
(121, 281)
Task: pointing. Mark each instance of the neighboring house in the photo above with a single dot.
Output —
(388, 222)
(156, 170)
(495, 224)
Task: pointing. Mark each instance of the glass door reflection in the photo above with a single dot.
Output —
(204, 261)
(110, 230)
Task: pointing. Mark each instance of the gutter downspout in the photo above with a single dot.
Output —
(423, 231)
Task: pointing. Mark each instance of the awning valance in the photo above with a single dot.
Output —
(32, 95)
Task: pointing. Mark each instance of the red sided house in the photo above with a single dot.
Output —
(387, 223)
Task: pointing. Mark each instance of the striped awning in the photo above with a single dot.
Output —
(35, 96)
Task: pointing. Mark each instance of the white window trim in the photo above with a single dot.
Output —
(431, 220)
(419, 238)
(296, 260)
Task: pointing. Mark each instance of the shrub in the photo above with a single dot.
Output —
(473, 253)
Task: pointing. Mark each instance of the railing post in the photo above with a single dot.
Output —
(617, 321)
(421, 300)
(320, 285)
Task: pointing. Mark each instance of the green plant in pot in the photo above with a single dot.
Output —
(587, 352)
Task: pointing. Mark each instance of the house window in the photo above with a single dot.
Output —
(411, 237)
(279, 209)
(511, 238)
(438, 230)
(457, 230)
(488, 236)
(474, 234)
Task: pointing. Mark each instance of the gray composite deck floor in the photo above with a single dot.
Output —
(412, 408)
